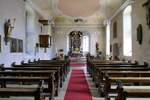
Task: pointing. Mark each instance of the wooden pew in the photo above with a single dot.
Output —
(36, 76)
(21, 92)
(110, 80)
(35, 71)
(65, 63)
(120, 73)
(91, 63)
(95, 74)
(58, 67)
(123, 93)
(51, 66)
(119, 66)
(95, 67)
(14, 91)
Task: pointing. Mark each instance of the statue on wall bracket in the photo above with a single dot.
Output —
(8, 27)
(140, 34)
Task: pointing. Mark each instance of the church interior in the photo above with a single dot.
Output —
(74, 49)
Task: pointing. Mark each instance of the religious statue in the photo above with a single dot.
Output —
(7, 28)
(97, 47)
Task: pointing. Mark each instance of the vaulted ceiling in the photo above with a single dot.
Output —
(79, 8)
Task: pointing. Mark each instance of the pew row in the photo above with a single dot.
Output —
(36, 92)
(97, 73)
(59, 67)
(129, 90)
(35, 71)
(21, 92)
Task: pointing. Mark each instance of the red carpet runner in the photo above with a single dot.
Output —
(78, 87)
(77, 65)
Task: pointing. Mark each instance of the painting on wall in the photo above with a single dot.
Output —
(140, 34)
(0, 43)
(50, 40)
(16, 45)
(115, 29)
(20, 45)
(147, 6)
(13, 45)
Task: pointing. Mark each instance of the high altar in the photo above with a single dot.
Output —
(75, 41)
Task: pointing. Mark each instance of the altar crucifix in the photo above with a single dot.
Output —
(147, 6)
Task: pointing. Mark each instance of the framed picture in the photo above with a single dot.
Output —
(140, 34)
(16, 45)
(0, 44)
(20, 45)
(147, 6)
(115, 29)
(13, 45)
(50, 40)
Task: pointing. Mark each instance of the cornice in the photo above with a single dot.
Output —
(122, 7)
(37, 9)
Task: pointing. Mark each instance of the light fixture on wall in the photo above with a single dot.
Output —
(8, 27)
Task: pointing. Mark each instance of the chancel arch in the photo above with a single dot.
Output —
(78, 42)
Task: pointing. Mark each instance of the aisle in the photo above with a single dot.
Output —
(78, 87)
(77, 62)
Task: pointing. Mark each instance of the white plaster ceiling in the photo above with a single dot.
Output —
(45, 6)
(78, 8)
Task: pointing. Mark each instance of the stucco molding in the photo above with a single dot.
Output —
(37, 9)
(58, 12)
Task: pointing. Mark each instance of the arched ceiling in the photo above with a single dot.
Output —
(63, 10)
(78, 8)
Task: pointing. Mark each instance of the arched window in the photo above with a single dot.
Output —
(127, 31)
(108, 39)
(85, 43)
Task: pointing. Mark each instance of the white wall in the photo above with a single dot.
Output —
(96, 35)
(119, 39)
(10, 9)
(32, 35)
(140, 52)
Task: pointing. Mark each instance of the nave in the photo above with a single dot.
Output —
(80, 82)
(39, 38)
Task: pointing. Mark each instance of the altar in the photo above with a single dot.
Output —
(75, 43)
